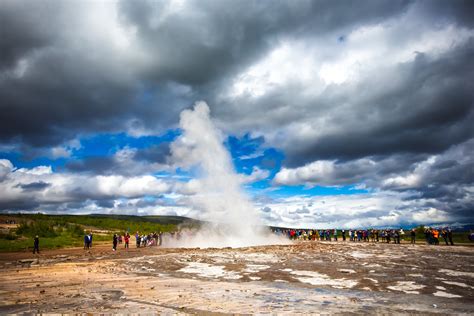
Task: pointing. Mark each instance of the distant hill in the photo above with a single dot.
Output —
(158, 219)
(17, 230)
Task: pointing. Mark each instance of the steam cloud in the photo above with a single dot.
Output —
(232, 219)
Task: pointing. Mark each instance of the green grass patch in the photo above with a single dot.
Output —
(62, 240)
(56, 231)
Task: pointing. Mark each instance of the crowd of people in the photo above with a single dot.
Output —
(365, 235)
(395, 236)
(432, 236)
(148, 240)
(152, 239)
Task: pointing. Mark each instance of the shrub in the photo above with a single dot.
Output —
(8, 236)
(76, 230)
(40, 228)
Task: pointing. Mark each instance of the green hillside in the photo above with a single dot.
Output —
(57, 231)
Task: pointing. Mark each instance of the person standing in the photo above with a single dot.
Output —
(115, 241)
(435, 234)
(450, 236)
(86, 241)
(428, 236)
(36, 245)
(343, 235)
(127, 239)
(444, 234)
(138, 239)
(413, 236)
(397, 236)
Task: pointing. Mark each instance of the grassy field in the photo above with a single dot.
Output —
(56, 231)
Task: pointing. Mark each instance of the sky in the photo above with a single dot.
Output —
(334, 113)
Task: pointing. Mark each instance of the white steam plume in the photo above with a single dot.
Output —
(218, 194)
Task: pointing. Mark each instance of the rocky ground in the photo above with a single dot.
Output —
(305, 277)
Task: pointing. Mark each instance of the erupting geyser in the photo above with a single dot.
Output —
(216, 192)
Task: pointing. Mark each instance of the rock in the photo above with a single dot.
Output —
(42, 291)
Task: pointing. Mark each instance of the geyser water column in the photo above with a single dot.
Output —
(216, 191)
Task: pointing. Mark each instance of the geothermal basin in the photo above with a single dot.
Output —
(304, 277)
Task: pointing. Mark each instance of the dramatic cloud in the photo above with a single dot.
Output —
(127, 161)
(376, 95)
(41, 186)
(387, 209)
(445, 180)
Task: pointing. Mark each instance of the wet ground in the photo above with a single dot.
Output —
(305, 277)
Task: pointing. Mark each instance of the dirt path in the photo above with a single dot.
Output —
(304, 277)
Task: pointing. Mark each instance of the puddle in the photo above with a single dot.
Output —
(254, 268)
(209, 271)
(416, 275)
(458, 284)
(350, 271)
(373, 280)
(456, 273)
(373, 265)
(315, 278)
(444, 294)
(231, 257)
(408, 287)
(361, 255)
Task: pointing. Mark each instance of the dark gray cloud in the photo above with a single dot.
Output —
(266, 209)
(205, 40)
(442, 181)
(95, 165)
(19, 205)
(63, 74)
(105, 203)
(20, 31)
(60, 78)
(128, 161)
(34, 186)
(156, 153)
(431, 99)
(69, 69)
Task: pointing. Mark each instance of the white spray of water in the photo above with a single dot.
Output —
(216, 193)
